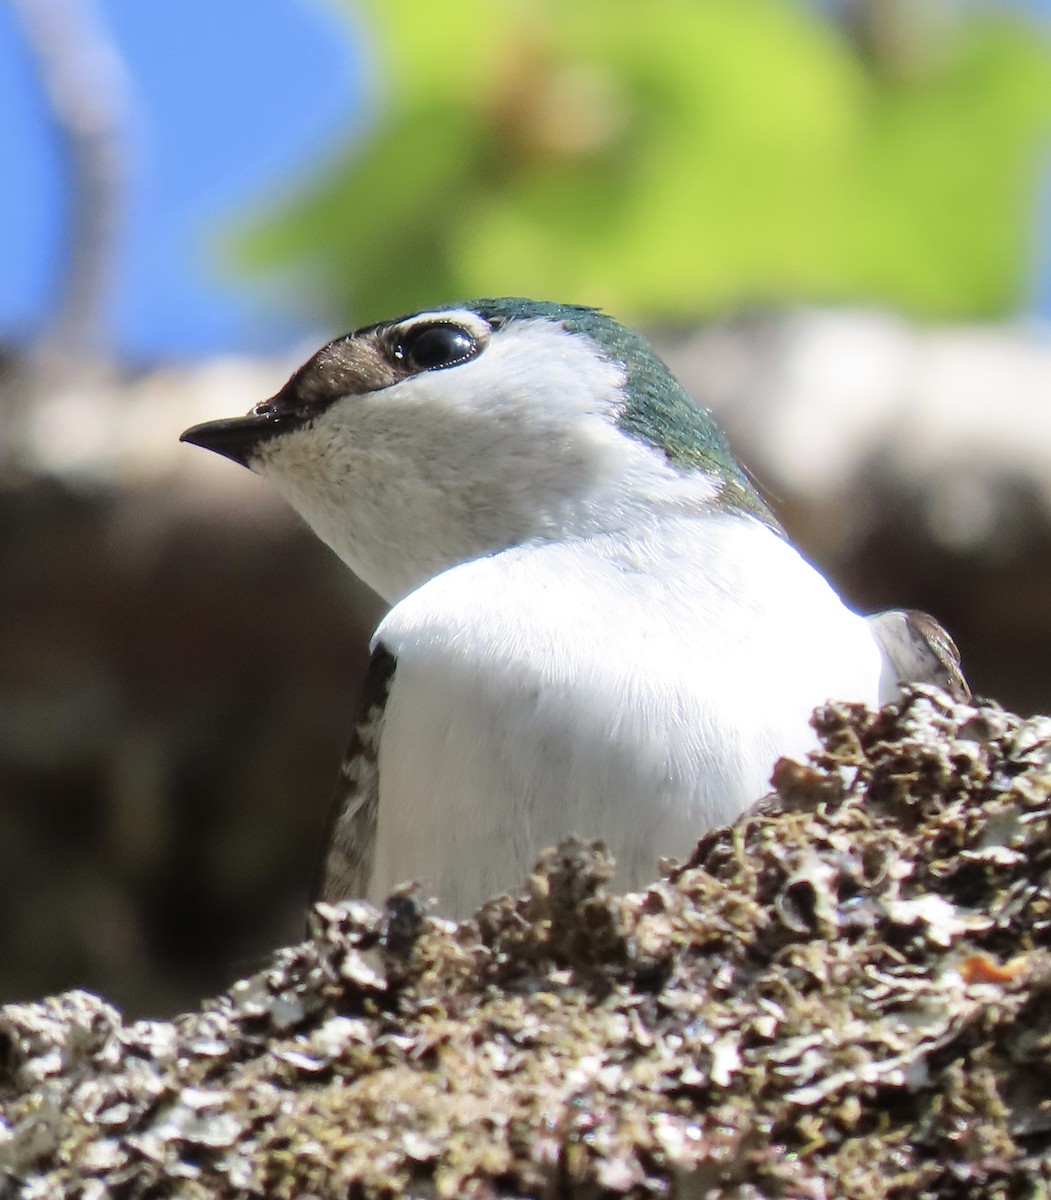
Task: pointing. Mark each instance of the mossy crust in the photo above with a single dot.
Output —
(844, 995)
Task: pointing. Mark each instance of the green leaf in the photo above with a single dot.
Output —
(671, 158)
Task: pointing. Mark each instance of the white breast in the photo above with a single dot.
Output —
(638, 690)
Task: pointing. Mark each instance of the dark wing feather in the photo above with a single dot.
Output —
(345, 865)
(920, 650)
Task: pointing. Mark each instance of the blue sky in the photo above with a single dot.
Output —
(231, 100)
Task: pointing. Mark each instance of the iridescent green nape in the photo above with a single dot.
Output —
(657, 409)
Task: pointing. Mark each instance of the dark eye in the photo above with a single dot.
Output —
(430, 347)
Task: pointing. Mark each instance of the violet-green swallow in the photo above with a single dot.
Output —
(597, 625)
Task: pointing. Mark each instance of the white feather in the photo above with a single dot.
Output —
(586, 642)
(639, 690)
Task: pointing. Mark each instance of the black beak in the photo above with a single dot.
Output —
(238, 438)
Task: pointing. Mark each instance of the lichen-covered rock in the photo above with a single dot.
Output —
(844, 995)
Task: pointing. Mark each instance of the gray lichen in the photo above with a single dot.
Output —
(844, 995)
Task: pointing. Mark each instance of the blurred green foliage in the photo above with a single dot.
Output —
(670, 158)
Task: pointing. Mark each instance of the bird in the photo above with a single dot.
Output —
(597, 626)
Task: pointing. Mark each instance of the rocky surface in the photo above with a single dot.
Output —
(843, 995)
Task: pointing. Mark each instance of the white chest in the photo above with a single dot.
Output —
(639, 692)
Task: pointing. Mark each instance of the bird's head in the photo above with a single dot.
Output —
(422, 442)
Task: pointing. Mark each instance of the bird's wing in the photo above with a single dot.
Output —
(920, 650)
(345, 864)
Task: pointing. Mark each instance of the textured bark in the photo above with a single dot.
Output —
(843, 995)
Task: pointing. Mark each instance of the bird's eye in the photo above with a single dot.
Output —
(431, 347)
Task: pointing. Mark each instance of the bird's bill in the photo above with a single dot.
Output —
(237, 438)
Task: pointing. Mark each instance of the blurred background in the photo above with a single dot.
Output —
(833, 218)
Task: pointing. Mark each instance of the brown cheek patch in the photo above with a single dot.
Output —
(346, 367)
